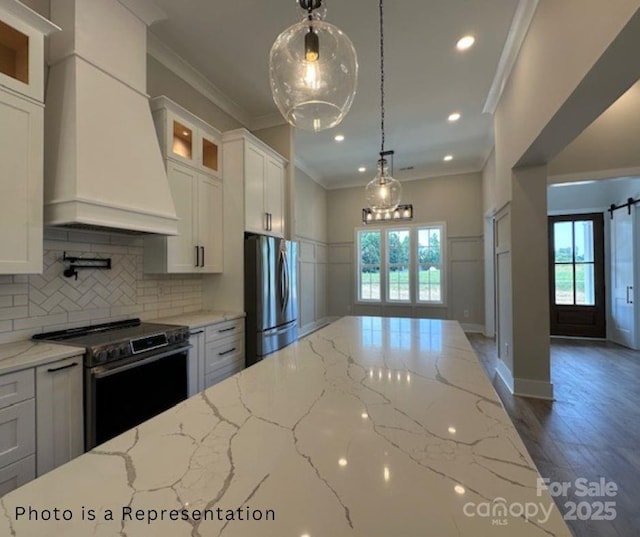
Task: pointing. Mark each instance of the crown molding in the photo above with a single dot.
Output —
(313, 174)
(267, 121)
(29, 16)
(519, 27)
(146, 10)
(179, 66)
(614, 173)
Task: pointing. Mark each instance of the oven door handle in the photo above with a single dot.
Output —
(101, 372)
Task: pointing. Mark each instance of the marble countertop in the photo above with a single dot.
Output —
(198, 319)
(25, 354)
(369, 427)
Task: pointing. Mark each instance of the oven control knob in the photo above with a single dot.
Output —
(101, 356)
(112, 353)
(171, 338)
(124, 350)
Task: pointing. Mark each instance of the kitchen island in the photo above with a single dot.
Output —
(369, 427)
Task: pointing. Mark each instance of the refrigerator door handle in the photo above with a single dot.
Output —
(280, 329)
(285, 258)
(282, 278)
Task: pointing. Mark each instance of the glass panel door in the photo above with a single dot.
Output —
(576, 270)
(399, 284)
(574, 263)
(370, 256)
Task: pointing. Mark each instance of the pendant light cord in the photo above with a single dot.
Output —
(381, 80)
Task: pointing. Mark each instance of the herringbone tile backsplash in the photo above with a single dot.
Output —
(36, 303)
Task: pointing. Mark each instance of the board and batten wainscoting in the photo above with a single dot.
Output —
(313, 285)
(36, 303)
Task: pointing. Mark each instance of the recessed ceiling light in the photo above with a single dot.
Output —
(342, 462)
(362, 169)
(454, 117)
(459, 489)
(339, 137)
(448, 158)
(466, 42)
(185, 133)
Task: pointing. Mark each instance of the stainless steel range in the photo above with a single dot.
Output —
(132, 371)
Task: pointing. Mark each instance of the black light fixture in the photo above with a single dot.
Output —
(313, 68)
(383, 192)
(402, 213)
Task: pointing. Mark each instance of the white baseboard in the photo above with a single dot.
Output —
(473, 328)
(536, 389)
(504, 374)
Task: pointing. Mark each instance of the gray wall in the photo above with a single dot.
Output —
(608, 145)
(455, 200)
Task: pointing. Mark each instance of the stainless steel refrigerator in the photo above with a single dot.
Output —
(271, 296)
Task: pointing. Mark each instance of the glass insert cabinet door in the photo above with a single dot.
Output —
(576, 259)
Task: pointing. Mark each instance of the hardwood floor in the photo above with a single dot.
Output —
(591, 430)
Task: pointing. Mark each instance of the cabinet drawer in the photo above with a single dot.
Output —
(225, 329)
(16, 387)
(17, 474)
(220, 353)
(222, 373)
(17, 432)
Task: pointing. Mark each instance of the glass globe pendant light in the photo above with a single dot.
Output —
(383, 192)
(313, 68)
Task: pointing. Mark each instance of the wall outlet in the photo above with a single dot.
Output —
(466, 314)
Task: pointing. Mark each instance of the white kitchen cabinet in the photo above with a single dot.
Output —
(224, 351)
(190, 148)
(262, 171)
(217, 352)
(199, 246)
(60, 430)
(196, 359)
(185, 138)
(21, 137)
(17, 429)
(17, 474)
(21, 168)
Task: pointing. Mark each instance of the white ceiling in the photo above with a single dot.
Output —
(426, 77)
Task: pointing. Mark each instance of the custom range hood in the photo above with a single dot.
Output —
(103, 166)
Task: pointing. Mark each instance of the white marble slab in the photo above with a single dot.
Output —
(199, 319)
(369, 427)
(25, 354)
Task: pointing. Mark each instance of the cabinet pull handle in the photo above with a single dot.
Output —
(197, 256)
(196, 333)
(202, 265)
(266, 221)
(629, 300)
(68, 366)
(227, 352)
(226, 330)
